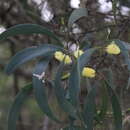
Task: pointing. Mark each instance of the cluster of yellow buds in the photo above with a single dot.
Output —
(87, 71)
(67, 60)
(60, 57)
(112, 48)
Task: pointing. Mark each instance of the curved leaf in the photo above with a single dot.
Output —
(16, 106)
(28, 54)
(115, 106)
(27, 29)
(60, 94)
(74, 79)
(77, 14)
(39, 89)
(89, 109)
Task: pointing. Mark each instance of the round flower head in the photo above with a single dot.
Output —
(59, 55)
(112, 48)
(88, 72)
(78, 53)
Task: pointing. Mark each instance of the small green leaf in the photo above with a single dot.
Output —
(60, 94)
(16, 106)
(115, 106)
(40, 91)
(28, 54)
(77, 14)
(74, 79)
(89, 109)
(27, 29)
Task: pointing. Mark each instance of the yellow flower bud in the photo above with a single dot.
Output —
(88, 72)
(60, 57)
(78, 53)
(67, 59)
(113, 49)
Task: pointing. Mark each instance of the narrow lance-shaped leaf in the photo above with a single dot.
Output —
(16, 106)
(27, 29)
(74, 84)
(104, 106)
(28, 54)
(124, 52)
(77, 14)
(89, 109)
(111, 78)
(60, 94)
(39, 89)
(74, 80)
(115, 107)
